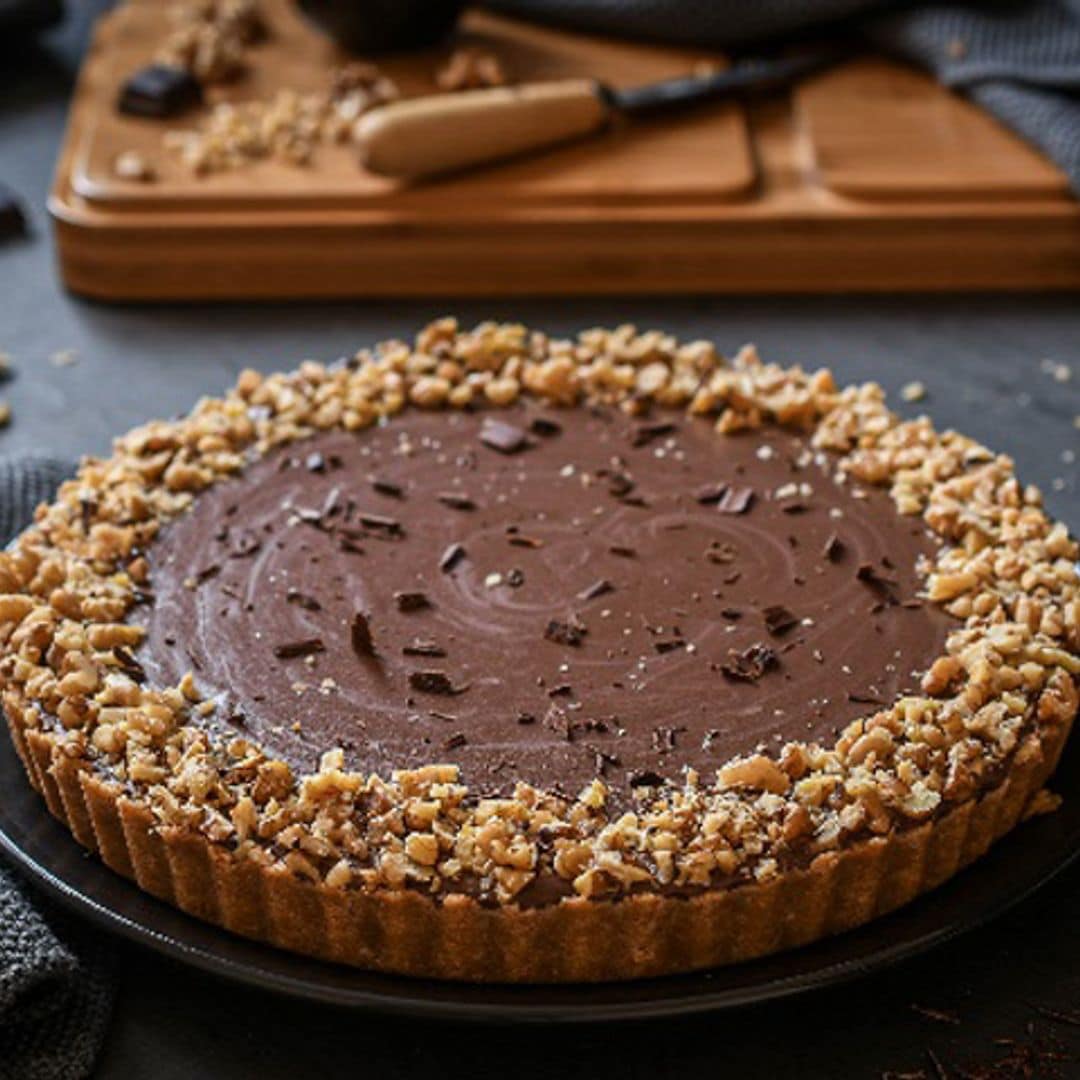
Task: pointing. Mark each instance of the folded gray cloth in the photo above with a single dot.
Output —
(55, 977)
(1018, 59)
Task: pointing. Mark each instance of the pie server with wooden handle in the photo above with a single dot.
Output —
(444, 132)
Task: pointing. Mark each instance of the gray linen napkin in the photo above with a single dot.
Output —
(55, 977)
(1018, 59)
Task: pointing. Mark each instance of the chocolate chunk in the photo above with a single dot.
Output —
(308, 603)
(571, 632)
(411, 601)
(881, 585)
(736, 500)
(159, 90)
(455, 500)
(542, 425)
(129, 665)
(646, 433)
(525, 718)
(597, 588)
(645, 778)
(423, 648)
(363, 644)
(315, 463)
(864, 699)
(620, 485)
(205, 575)
(794, 508)
(504, 437)
(384, 487)
(669, 645)
(526, 541)
(245, 544)
(515, 578)
(711, 493)
(834, 548)
(778, 620)
(12, 218)
(347, 544)
(388, 525)
(451, 557)
(622, 551)
(458, 739)
(750, 664)
(307, 647)
(732, 613)
(433, 682)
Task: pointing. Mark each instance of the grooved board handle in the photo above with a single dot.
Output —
(429, 135)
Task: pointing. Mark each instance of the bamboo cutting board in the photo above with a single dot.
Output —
(869, 176)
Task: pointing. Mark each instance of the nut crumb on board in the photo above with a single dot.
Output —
(471, 69)
(131, 165)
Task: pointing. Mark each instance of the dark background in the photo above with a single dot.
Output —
(988, 363)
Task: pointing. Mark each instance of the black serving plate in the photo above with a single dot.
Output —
(1015, 867)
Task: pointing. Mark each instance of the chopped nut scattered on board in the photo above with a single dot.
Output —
(5, 414)
(287, 127)
(210, 37)
(913, 391)
(131, 165)
(471, 69)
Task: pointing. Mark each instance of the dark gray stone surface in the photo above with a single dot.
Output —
(985, 361)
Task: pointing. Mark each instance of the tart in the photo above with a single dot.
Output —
(500, 657)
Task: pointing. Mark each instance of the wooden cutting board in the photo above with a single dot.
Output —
(869, 176)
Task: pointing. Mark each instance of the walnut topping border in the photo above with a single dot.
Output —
(69, 584)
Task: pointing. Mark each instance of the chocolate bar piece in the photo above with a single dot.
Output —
(12, 218)
(159, 90)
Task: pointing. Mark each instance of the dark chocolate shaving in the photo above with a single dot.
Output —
(423, 648)
(669, 645)
(597, 588)
(315, 463)
(363, 644)
(411, 601)
(646, 433)
(292, 649)
(736, 500)
(834, 548)
(711, 493)
(451, 557)
(388, 525)
(571, 632)
(308, 603)
(458, 739)
(433, 682)
(622, 551)
(542, 425)
(504, 437)
(129, 665)
(778, 620)
(455, 501)
(645, 778)
(883, 586)
(385, 487)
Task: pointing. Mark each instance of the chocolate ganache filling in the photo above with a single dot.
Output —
(541, 596)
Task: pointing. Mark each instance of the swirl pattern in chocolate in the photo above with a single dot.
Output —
(541, 596)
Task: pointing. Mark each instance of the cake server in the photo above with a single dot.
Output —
(444, 132)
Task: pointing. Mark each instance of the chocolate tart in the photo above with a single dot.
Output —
(499, 657)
